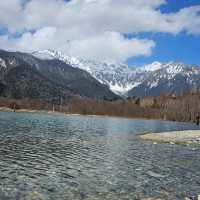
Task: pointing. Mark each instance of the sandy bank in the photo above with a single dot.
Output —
(5, 109)
(177, 137)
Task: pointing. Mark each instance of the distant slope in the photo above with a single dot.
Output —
(24, 82)
(71, 80)
(153, 79)
(118, 77)
(172, 78)
(93, 79)
(80, 81)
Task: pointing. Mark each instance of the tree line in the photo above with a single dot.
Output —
(184, 107)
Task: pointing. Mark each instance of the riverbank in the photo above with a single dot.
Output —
(176, 137)
(6, 109)
(183, 108)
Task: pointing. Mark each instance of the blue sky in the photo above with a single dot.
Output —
(133, 32)
(179, 48)
(175, 5)
(182, 47)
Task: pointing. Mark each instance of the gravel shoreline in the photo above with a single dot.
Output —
(176, 137)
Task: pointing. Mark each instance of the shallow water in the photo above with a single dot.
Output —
(74, 157)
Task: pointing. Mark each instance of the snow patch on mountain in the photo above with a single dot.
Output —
(154, 84)
(174, 68)
(122, 78)
(151, 67)
(119, 77)
(44, 55)
(2, 63)
(120, 89)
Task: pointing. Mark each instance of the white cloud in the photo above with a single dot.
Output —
(97, 15)
(93, 27)
(10, 13)
(110, 46)
(188, 19)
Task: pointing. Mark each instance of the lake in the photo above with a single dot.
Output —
(65, 157)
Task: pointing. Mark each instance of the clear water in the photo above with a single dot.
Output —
(63, 157)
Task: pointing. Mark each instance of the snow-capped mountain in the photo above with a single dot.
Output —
(153, 79)
(119, 77)
(22, 76)
(171, 78)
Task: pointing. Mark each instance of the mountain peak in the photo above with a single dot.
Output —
(121, 78)
(152, 67)
(116, 76)
(44, 54)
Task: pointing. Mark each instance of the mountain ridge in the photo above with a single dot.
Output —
(126, 81)
(69, 80)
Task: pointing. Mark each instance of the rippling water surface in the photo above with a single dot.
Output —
(63, 157)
